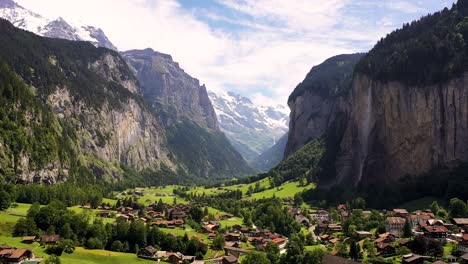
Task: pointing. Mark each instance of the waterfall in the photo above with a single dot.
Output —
(364, 133)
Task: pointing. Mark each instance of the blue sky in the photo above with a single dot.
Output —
(259, 48)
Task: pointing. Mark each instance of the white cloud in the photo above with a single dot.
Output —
(279, 42)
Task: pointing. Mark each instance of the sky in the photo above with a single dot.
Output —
(257, 48)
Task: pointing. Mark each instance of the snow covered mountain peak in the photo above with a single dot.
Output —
(53, 28)
(251, 129)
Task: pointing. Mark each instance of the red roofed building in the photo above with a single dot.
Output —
(281, 242)
(438, 232)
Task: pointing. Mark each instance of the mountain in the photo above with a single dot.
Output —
(52, 28)
(251, 129)
(398, 130)
(78, 114)
(186, 112)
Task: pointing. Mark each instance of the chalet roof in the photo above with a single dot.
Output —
(460, 221)
(383, 245)
(363, 233)
(151, 249)
(395, 220)
(279, 240)
(50, 238)
(230, 259)
(412, 258)
(439, 262)
(400, 211)
(465, 257)
(329, 259)
(29, 238)
(18, 253)
(4, 252)
(436, 229)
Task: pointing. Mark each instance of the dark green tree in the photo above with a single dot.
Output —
(272, 252)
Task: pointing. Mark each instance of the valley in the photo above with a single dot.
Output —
(113, 155)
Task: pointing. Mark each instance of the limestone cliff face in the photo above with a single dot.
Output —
(314, 103)
(397, 130)
(106, 136)
(165, 84)
(310, 116)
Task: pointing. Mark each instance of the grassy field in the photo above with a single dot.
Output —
(7, 223)
(19, 209)
(85, 256)
(288, 189)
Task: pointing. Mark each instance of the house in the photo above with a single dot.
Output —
(330, 259)
(174, 257)
(400, 213)
(256, 241)
(177, 215)
(464, 258)
(439, 262)
(395, 225)
(332, 228)
(188, 259)
(233, 244)
(229, 259)
(413, 259)
(363, 234)
(463, 244)
(50, 240)
(122, 218)
(436, 232)
(418, 216)
(29, 239)
(232, 237)
(148, 252)
(386, 237)
(19, 255)
(302, 220)
(385, 249)
(223, 217)
(281, 242)
(104, 214)
(322, 215)
(460, 222)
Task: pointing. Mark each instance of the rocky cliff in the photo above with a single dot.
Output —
(164, 83)
(314, 101)
(398, 129)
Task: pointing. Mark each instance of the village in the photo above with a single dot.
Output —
(332, 229)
